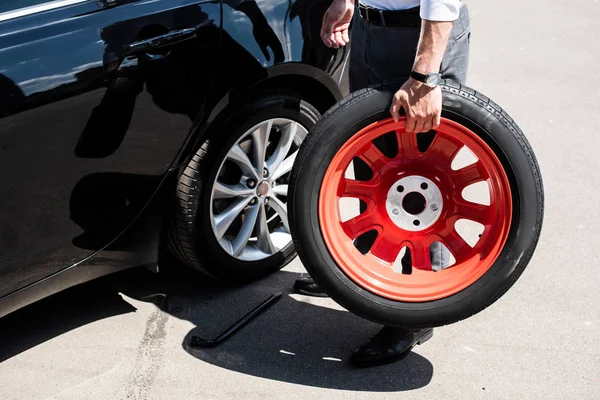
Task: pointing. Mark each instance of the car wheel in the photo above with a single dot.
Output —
(230, 212)
(416, 196)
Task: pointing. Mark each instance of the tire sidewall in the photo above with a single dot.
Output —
(335, 129)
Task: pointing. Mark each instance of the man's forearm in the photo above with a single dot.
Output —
(432, 45)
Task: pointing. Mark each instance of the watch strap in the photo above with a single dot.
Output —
(418, 76)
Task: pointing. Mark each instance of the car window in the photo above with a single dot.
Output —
(10, 9)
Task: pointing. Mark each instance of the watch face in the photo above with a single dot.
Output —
(433, 79)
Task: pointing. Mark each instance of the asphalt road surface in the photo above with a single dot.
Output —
(126, 336)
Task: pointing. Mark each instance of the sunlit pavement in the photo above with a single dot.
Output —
(126, 336)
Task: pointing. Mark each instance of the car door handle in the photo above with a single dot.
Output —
(164, 40)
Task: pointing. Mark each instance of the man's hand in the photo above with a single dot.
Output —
(336, 21)
(422, 105)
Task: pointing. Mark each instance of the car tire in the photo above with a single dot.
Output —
(341, 125)
(196, 223)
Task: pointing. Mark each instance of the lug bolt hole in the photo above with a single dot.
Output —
(424, 186)
(416, 222)
(400, 189)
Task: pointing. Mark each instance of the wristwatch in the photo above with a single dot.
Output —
(432, 79)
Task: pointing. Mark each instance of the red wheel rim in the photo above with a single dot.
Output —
(374, 270)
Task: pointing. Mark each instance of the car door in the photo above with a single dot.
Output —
(96, 99)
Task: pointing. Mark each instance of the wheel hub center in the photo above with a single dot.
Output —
(262, 189)
(414, 203)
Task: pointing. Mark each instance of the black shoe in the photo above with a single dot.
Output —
(389, 345)
(308, 287)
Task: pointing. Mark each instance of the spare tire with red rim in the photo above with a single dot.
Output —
(472, 186)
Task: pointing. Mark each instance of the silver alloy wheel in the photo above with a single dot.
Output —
(253, 223)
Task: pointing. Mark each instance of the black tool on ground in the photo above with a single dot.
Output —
(199, 342)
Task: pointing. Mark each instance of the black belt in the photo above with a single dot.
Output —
(406, 18)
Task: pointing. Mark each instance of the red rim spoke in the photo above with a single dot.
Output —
(457, 245)
(386, 249)
(473, 211)
(374, 157)
(419, 255)
(361, 189)
(360, 224)
(444, 148)
(468, 175)
(407, 145)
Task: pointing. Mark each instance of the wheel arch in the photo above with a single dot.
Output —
(311, 83)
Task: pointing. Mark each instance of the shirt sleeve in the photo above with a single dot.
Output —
(440, 10)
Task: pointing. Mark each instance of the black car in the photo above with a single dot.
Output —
(134, 131)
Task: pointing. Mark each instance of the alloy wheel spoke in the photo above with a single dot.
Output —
(224, 220)
(385, 249)
(360, 189)
(285, 166)
(285, 144)
(260, 139)
(374, 157)
(456, 244)
(443, 149)
(407, 145)
(281, 209)
(264, 242)
(241, 241)
(472, 211)
(468, 175)
(360, 224)
(281, 190)
(224, 191)
(419, 255)
(237, 155)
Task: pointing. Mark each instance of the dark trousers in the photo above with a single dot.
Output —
(381, 53)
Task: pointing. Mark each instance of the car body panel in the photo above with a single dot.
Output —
(86, 144)
(91, 141)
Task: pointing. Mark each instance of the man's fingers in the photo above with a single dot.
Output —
(435, 122)
(411, 120)
(418, 124)
(395, 112)
(345, 36)
(333, 41)
(325, 38)
(326, 31)
(427, 125)
(411, 123)
(338, 38)
(395, 108)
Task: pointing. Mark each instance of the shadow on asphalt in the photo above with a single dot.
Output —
(292, 341)
(57, 315)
